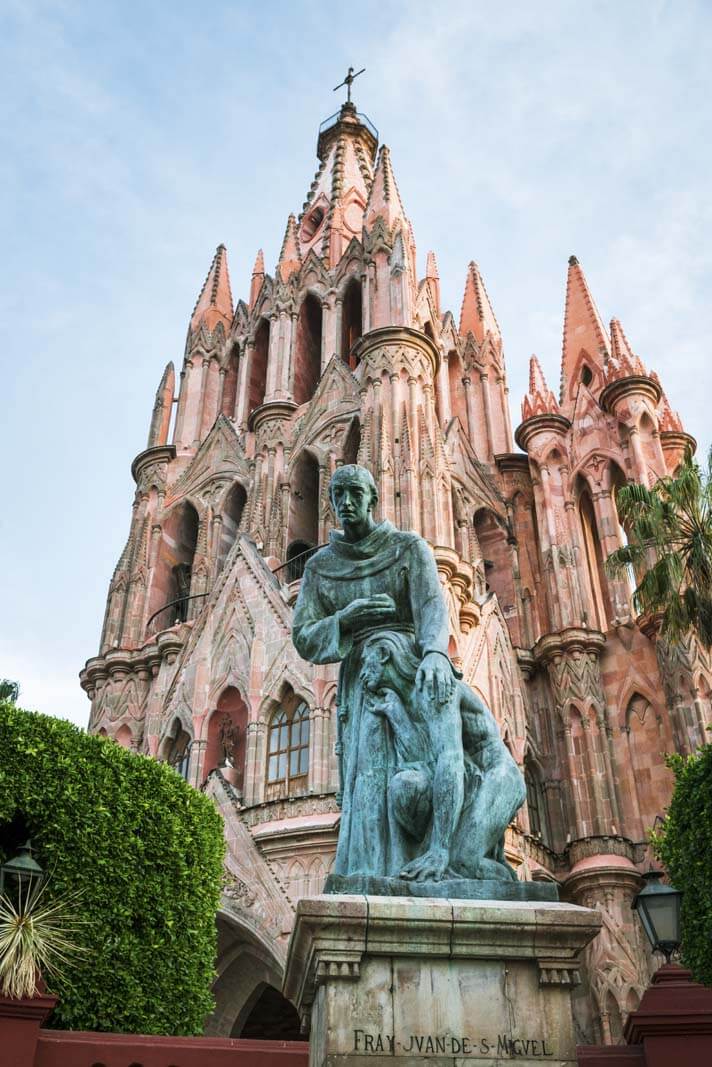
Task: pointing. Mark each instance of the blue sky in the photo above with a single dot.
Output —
(137, 136)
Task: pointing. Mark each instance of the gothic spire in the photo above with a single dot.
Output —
(162, 408)
(332, 213)
(258, 276)
(586, 347)
(477, 314)
(214, 304)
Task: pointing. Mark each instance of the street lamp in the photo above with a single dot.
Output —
(658, 906)
(23, 869)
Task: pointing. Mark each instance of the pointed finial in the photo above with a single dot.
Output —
(431, 266)
(214, 303)
(258, 275)
(573, 261)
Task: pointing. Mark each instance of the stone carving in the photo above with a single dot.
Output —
(427, 785)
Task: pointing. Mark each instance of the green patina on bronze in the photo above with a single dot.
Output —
(427, 785)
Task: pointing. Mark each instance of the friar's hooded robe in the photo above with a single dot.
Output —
(403, 566)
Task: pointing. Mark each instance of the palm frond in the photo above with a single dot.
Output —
(37, 937)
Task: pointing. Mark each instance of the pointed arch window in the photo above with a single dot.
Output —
(594, 558)
(176, 751)
(288, 752)
(307, 362)
(351, 321)
(536, 802)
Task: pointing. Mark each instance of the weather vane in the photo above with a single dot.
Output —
(348, 82)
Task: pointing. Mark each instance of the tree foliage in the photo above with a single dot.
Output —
(685, 847)
(144, 852)
(669, 531)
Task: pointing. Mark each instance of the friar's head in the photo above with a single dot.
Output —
(353, 495)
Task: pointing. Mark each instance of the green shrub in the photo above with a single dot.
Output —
(145, 852)
(685, 847)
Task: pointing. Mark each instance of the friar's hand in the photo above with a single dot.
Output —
(435, 678)
(367, 611)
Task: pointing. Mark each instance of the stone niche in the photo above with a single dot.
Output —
(443, 982)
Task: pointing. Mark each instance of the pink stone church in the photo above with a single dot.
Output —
(346, 355)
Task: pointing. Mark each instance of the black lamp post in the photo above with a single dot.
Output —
(658, 907)
(23, 870)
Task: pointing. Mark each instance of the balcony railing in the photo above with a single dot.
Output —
(180, 613)
(363, 119)
(293, 569)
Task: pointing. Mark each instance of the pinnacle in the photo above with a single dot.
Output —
(214, 304)
(539, 400)
(384, 199)
(585, 342)
(431, 266)
(290, 259)
(476, 314)
(258, 274)
(624, 361)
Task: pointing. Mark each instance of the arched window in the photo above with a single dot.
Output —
(227, 736)
(536, 802)
(351, 320)
(288, 752)
(307, 357)
(170, 587)
(176, 749)
(231, 517)
(123, 736)
(594, 558)
(258, 368)
(230, 387)
(303, 527)
(496, 559)
(352, 442)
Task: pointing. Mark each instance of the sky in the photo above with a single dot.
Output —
(136, 136)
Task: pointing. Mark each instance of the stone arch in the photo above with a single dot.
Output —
(176, 745)
(246, 965)
(307, 351)
(226, 737)
(496, 557)
(257, 371)
(231, 514)
(351, 319)
(170, 587)
(124, 736)
(303, 523)
(648, 780)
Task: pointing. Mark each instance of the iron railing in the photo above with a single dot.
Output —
(294, 568)
(363, 119)
(174, 604)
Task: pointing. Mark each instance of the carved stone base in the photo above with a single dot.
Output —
(448, 888)
(444, 982)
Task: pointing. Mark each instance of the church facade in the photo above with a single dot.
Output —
(346, 355)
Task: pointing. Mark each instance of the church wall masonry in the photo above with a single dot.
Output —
(344, 354)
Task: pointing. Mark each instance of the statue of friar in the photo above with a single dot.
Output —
(427, 785)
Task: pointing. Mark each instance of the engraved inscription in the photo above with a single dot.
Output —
(502, 1045)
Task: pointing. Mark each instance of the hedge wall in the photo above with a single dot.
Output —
(685, 847)
(144, 849)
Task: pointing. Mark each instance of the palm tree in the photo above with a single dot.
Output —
(9, 691)
(669, 531)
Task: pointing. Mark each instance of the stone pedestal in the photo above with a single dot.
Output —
(445, 982)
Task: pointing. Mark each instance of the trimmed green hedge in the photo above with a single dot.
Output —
(685, 847)
(144, 849)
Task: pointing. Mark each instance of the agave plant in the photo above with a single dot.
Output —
(669, 530)
(37, 939)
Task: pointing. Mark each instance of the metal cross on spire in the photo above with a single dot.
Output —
(348, 82)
